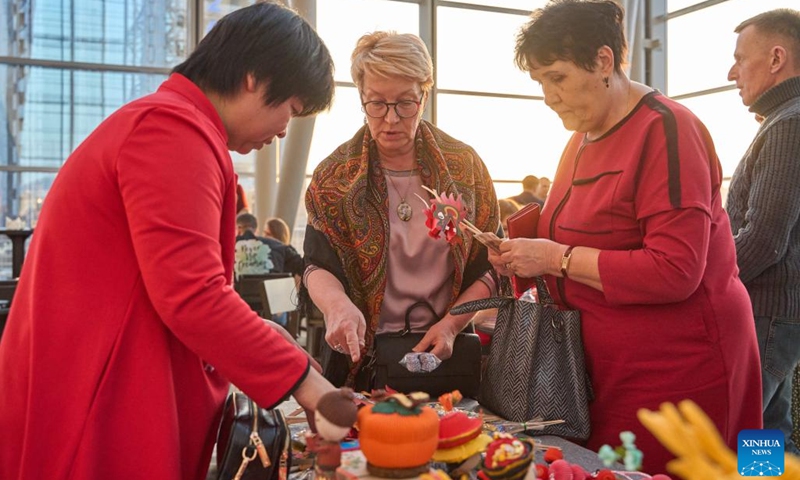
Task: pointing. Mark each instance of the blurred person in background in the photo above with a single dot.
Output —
(542, 190)
(507, 208)
(528, 195)
(278, 229)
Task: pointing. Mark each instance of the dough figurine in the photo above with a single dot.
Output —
(335, 415)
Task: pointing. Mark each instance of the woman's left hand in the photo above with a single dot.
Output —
(441, 337)
(529, 257)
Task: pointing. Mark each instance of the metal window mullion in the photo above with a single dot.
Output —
(656, 45)
(88, 66)
(427, 31)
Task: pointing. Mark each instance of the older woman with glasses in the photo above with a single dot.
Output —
(369, 256)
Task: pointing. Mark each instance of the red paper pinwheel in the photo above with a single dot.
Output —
(444, 215)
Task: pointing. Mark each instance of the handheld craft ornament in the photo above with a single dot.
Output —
(444, 215)
(447, 215)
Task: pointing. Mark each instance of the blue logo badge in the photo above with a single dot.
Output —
(760, 453)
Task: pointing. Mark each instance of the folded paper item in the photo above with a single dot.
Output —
(15, 223)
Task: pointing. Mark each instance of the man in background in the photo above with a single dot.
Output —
(257, 255)
(542, 190)
(764, 201)
(528, 195)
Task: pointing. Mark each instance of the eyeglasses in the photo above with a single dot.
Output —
(403, 108)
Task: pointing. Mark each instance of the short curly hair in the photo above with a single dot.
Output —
(392, 54)
(572, 30)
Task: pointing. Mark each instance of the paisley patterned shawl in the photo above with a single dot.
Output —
(348, 204)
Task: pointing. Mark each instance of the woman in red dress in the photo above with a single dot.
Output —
(633, 235)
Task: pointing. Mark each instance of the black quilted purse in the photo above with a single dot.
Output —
(462, 371)
(536, 365)
(253, 443)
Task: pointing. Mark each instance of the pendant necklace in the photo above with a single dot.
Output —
(404, 211)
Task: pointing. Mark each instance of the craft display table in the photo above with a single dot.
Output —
(354, 465)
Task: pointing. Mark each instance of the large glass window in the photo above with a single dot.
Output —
(341, 23)
(67, 65)
(731, 125)
(514, 4)
(693, 67)
(514, 137)
(481, 62)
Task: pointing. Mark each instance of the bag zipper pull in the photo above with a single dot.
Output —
(283, 470)
(245, 460)
(260, 449)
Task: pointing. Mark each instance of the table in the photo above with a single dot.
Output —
(354, 464)
(18, 238)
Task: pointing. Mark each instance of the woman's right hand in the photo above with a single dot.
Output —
(497, 262)
(309, 391)
(345, 328)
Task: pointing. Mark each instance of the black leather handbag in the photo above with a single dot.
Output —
(253, 443)
(462, 371)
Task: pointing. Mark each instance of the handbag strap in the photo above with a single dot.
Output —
(407, 329)
(482, 304)
(543, 292)
(497, 302)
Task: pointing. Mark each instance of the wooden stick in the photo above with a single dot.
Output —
(432, 192)
(470, 227)
(542, 446)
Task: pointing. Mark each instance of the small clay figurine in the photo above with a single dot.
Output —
(335, 415)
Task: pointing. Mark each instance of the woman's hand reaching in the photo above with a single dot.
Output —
(345, 328)
(440, 337)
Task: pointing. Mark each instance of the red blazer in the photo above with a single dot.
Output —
(124, 327)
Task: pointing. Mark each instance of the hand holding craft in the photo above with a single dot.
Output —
(530, 257)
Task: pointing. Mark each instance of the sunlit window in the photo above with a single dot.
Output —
(479, 62)
(693, 67)
(731, 126)
(514, 137)
(341, 23)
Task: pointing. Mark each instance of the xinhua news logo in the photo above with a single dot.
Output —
(760, 453)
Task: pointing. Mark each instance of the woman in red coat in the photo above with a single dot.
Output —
(125, 330)
(633, 235)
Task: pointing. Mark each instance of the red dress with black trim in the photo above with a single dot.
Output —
(673, 320)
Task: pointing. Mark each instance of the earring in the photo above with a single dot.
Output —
(605, 80)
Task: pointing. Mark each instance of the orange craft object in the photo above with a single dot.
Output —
(398, 441)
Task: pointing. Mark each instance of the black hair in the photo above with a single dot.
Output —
(276, 46)
(247, 220)
(572, 30)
